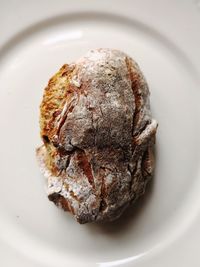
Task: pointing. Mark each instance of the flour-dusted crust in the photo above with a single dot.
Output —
(98, 136)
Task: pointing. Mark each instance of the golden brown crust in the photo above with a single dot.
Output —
(57, 92)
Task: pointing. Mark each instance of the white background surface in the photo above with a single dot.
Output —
(38, 37)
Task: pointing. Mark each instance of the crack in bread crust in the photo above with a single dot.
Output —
(98, 136)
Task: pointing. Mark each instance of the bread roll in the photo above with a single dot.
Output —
(98, 136)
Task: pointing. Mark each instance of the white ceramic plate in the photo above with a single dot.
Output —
(36, 38)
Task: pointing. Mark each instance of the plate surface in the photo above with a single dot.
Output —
(162, 229)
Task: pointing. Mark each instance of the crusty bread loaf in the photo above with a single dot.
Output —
(98, 136)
